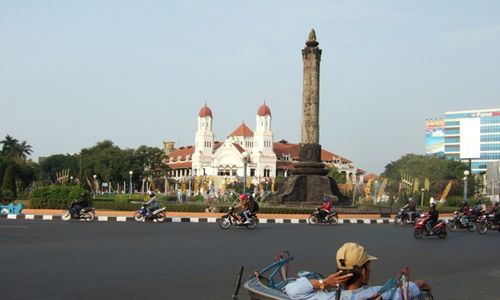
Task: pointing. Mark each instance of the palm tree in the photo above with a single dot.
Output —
(9, 146)
(24, 150)
(15, 150)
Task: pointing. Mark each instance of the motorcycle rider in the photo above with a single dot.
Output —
(464, 208)
(245, 208)
(463, 211)
(433, 218)
(77, 206)
(411, 209)
(495, 211)
(325, 209)
(479, 207)
(152, 204)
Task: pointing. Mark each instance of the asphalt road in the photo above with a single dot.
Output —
(112, 260)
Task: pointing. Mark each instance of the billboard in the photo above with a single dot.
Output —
(470, 138)
(434, 137)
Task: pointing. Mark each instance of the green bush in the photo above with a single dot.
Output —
(55, 196)
(454, 201)
(6, 196)
(133, 197)
(198, 198)
(115, 205)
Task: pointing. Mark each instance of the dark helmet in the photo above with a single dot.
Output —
(151, 194)
(433, 205)
(243, 197)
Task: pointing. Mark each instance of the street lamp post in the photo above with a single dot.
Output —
(267, 184)
(422, 200)
(466, 173)
(130, 182)
(95, 185)
(245, 155)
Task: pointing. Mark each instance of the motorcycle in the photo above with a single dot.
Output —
(465, 221)
(403, 217)
(231, 219)
(158, 214)
(421, 230)
(331, 218)
(487, 221)
(86, 213)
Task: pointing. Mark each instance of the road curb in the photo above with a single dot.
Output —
(194, 219)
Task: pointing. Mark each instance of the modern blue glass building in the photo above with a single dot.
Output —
(473, 136)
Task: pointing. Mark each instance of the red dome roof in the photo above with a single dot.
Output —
(205, 112)
(264, 110)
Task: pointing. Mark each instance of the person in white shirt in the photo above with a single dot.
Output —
(353, 264)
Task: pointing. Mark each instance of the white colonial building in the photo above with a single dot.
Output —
(256, 152)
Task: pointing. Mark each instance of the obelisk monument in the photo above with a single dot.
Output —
(309, 182)
(310, 149)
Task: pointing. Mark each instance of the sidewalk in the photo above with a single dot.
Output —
(110, 213)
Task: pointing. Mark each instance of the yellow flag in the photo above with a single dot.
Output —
(446, 191)
(416, 185)
(196, 186)
(349, 185)
(368, 188)
(382, 188)
(427, 184)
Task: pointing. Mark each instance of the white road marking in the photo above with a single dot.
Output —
(6, 226)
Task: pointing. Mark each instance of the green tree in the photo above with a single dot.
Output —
(335, 174)
(9, 184)
(49, 166)
(108, 162)
(22, 172)
(11, 148)
(439, 170)
(151, 159)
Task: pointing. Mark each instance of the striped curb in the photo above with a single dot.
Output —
(192, 219)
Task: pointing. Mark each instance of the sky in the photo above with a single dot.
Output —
(73, 73)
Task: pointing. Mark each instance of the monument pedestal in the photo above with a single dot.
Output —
(308, 182)
(310, 188)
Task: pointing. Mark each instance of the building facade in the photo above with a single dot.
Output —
(243, 150)
(473, 136)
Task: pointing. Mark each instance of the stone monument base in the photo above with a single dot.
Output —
(310, 188)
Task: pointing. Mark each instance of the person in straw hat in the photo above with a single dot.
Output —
(350, 282)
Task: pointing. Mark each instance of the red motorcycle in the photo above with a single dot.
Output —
(420, 230)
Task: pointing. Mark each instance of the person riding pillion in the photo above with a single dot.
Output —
(152, 204)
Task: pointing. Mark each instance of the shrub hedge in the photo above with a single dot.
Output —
(55, 196)
(60, 197)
